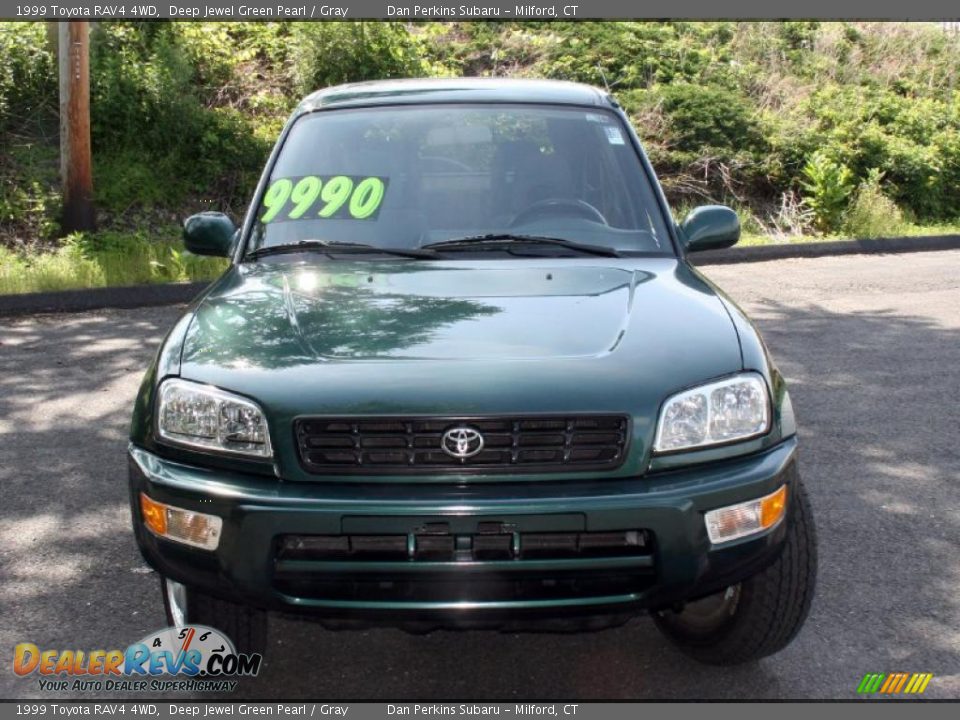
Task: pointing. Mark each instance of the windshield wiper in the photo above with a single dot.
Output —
(340, 247)
(495, 241)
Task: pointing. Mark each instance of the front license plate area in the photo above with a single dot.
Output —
(461, 524)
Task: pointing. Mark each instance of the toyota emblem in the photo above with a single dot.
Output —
(462, 442)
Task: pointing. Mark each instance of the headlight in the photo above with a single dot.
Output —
(733, 409)
(205, 417)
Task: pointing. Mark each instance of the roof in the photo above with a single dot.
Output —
(455, 90)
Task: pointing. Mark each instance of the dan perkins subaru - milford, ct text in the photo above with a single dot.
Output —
(249, 11)
(476, 709)
(477, 11)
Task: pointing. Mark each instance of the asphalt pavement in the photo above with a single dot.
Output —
(870, 346)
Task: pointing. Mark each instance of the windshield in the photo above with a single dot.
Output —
(406, 177)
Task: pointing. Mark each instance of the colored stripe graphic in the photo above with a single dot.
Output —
(890, 681)
(871, 682)
(900, 683)
(894, 683)
(923, 679)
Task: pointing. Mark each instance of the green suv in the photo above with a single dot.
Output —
(459, 374)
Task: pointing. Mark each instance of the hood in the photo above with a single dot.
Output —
(272, 315)
(294, 314)
(460, 338)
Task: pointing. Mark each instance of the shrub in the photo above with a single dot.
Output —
(630, 54)
(828, 185)
(730, 112)
(708, 117)
(29, 192)
(873, 214)
(28, 75)
(155, 137)
(331, 53)
(703, 139)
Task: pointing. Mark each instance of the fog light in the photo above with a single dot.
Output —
(185, 526)
(737, 521)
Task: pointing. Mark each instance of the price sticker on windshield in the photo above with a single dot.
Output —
(324, 197)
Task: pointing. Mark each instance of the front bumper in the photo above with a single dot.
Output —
(680, 563)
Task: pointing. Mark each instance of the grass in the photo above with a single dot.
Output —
(103, 260)
(114, 259)
(748, 239)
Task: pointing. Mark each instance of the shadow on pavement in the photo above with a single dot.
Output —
(875, 397)
(71, 576)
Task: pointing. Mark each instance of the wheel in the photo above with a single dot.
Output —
(245, 626)
(762, 614)
(558, 206)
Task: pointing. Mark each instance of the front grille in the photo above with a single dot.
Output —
(439, 545)
(481, 567)
(510, 444)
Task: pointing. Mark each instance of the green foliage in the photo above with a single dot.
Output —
(28, 84)
(708, 117)
(633, 54)
(827, 185)
(914, 141)
(330, 53)
(29, 192)
(156, 138)
(753, 114)
(872, 214)
(101, 260)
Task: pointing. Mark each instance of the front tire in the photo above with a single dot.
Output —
(762, 614)
(244, 625)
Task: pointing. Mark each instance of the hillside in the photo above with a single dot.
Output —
(804, 127)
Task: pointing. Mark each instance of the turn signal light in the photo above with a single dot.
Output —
(747, 518)
(154, 515)
(184, 526)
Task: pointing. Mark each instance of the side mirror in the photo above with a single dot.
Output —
(209, 233)
(710, 227)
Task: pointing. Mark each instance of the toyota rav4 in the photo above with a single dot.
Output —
(460, 373)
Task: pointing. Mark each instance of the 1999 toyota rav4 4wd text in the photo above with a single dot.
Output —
(461, 374)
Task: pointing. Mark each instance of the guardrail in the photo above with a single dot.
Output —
(170, 294)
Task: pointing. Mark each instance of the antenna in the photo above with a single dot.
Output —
(603, 77)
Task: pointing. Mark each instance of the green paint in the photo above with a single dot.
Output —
(367, 335)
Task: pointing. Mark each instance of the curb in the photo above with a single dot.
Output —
(877, 246)
(71, 301)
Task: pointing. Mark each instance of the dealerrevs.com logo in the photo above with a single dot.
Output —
(193, 658)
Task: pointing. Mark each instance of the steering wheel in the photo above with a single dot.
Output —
(558, 206)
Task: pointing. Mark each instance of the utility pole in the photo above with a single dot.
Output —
(75, 162)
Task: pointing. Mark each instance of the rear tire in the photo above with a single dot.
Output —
(762, 614)
(244, 625)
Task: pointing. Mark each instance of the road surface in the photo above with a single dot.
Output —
(871, 348)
